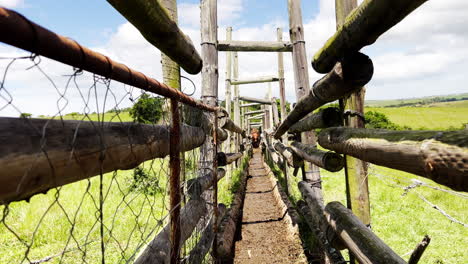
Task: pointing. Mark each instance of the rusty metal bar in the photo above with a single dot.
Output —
(174, 182)
(22, 33)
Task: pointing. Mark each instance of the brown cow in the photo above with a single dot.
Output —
(255, 137)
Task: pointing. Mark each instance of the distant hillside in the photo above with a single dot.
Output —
(423, 101)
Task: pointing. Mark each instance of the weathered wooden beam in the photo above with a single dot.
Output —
(362, 27)
(155, 24)
(204, 244)
(228, 147)
(195, 187)
(358, 238)
(197, 118)
(252, 46)
(249, 105)
(231, 126)
(255, 112)
(346, 77)
(287, 153)
(328, 117)
(256, 116)
(333, 254)
(228, 228)
(324, 159)
(255, 80)
(254, 100)
(256, 124)
(227, 158)
(158, 250)
(437, 155)
(40, 154)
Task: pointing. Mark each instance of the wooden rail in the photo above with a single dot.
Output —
(346, 77)
(251, 46)
(255, 80)
(324, 159)
(437, 155)
(73, 151)
(155, 24)
(195, 187)
(361, 28)
(254, 100)
(328, 117)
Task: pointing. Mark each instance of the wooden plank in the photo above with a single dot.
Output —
(155, 24)
(252, 46)
(346, 77)
(264, 79)
(362, 27)
(361, 241)
(324, 159)
(72, 151)
(437, 155)
(328, 117)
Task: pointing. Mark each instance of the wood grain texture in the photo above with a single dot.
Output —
(324, 159)
(255, 46)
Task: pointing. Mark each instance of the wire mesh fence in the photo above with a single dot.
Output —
(85, 165)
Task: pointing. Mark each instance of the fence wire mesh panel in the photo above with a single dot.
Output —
(85, 166)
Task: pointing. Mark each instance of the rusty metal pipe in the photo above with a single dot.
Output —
(18, 31)
(174, 182)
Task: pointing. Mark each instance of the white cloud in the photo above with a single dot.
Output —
(11, 3)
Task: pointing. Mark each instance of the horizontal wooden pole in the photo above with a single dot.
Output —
(328, 117)
(362, 27)
(346, 77)
(251, 46)
(287, 153)
(255, 100)
(437, 155)
(228, 227)
(195, 187)
(227, 158)
(249, 105)
(155, 24)
(310, 217)
(231, 126)
(256, 116)
(358, 238)
(324, 159)
(205, 243)
(255, 112)
(158, 250)
(255, 80)
(197, 118)
(255, 124)
(40, 154)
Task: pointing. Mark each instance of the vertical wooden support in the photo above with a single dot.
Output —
(274, 108)
(355, 169)
(235, 75)
(271, 120)
(215, 190)
(228, 86)
(282, 92)
(174, 182)
(228, 145)
(301, 76)
(311, 173)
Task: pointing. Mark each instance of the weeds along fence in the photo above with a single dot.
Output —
(93, 185)
(440, 156)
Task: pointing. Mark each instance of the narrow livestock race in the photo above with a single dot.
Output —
(144, 172)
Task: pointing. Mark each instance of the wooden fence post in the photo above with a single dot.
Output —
(357, 188)
(282, 93)
(235, 75)
(228, 145)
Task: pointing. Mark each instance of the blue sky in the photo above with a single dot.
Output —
(424, 55)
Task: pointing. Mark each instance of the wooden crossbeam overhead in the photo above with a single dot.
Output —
(155, 24)
(264, 79)
(255, 112)
(256, 116)
(252, 46)
(255, 124)
(249, 105)
(254, 100)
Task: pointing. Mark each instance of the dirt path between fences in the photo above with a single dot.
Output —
(267, 236)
